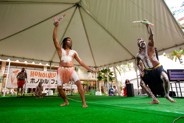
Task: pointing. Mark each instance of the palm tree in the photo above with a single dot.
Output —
(105, 75)
(178, 54)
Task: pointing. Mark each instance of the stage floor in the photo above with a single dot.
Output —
(109, 109)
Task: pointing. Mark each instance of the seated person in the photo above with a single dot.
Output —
(115, 90)
(39, 89)
(111, 91)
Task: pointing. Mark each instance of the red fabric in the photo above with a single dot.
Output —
(21, 83)
(125, 91)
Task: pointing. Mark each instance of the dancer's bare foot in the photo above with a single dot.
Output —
(170, 99)
(84, 106)
(155, 101)
(64, 104)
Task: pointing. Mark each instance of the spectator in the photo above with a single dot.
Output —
(21, 79)
(111, 91)
(125, 89)
(39, 90)
(115, 90)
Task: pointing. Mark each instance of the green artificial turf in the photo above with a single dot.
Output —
(109, 109)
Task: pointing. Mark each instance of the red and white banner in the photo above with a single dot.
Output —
(49, 79)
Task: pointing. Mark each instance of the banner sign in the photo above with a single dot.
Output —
(49, 79)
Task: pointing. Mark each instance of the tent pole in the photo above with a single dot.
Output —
(121, 79)
(9, 62)
(50, 64)
(117, 83)
(108, 79)
(137, 76)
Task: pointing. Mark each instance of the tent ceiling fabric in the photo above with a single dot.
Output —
(102, 30)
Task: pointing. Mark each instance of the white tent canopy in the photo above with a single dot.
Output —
(102, 30)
